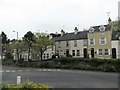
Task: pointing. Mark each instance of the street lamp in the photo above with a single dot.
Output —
(17, 46)
(16, 33)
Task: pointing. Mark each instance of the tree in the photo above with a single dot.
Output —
(116, 26)
(4, 42)
(29, 38)
(41, 43)
(4, 38)
(19, 44)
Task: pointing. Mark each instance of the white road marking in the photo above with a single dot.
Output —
(13, 71)
(20, 70)
(58, 69)
(44, 70)
(39, 70)
(27, 70)
(54, 70)
(7, 70)
(2, 71)
(49, 70)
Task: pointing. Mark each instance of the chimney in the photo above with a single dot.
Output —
(109, 20)
(75, 30)
(62, 32)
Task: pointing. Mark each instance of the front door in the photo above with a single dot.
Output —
(92, 52)
(113, 52)
(85, 52)
(67, 53)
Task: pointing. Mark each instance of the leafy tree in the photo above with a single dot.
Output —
(29, 38)
(4, 42)
(19, 44)
(41, 43)
(116, 25)
(4, 38)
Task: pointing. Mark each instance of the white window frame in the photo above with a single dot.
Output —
(84, 42)
(91, 30)
(73, 52)
(100, 41)
(59, 42)
(78, 53)
(102, 28)
(75, 43)
(67, 43)
(107, 51)
(93, 41)
(100, 53)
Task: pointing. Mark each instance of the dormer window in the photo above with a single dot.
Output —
(102, 28)
(91, 30)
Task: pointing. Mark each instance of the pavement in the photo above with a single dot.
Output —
(57, 78)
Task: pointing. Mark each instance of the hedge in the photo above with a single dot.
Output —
(107, 65)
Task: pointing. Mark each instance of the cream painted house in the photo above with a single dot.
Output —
(99, 41)
(34, 55)
(115, 45)
(72, 44)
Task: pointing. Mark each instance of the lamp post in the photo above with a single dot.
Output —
(0, 47)
(17, 46)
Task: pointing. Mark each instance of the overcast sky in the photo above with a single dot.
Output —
(53, 15)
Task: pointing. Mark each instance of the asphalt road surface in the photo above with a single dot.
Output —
(56, 78)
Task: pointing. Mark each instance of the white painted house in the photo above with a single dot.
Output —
(72, 44)
(115, 45)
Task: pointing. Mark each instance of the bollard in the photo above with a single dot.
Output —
(18, 79)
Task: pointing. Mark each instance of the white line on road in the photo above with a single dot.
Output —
(20, 70)
(27, 70)
(39, 70)
(44, 70)
(54, 70)
(49, 70)
(2, 71)
(7, 70)
(13, 71)
(58, 69)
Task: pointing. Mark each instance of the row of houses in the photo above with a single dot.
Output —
(97, 42)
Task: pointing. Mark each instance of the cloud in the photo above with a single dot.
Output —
(51, 15)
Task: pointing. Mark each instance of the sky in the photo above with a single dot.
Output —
(51, 16)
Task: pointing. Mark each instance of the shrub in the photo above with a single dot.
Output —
(24, 86)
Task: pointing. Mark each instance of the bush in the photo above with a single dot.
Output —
(24, 86)
(111, 65)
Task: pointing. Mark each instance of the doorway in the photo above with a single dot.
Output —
(113, 52)
(92, 52)
(85, 52)
(67, 53)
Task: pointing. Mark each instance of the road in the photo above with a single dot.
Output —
(56, 78)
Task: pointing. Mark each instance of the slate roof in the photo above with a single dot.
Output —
(107, 28)
(115, 35)
(72, 36)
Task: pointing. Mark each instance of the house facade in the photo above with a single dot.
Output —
(71, 44)
(23, 55)
(115, 45)
(99, 41)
